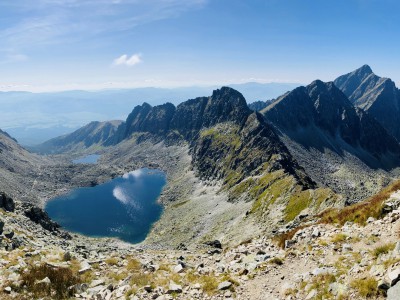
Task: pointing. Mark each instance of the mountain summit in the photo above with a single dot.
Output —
(376, 95)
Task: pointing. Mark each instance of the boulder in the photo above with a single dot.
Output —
(174, 288)
(6, 202)
(39, 216)
(224, 285)
(394, 292)
(394, 276)
(1, 225)
(215, 244)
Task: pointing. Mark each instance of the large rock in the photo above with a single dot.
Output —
(39, 216)
(224, 285)
(6, 202)
(215, 244)
(394, 292)
(1, 225)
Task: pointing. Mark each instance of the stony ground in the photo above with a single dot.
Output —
(321, 261)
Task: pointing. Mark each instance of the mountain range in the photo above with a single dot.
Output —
(33, 118)
(312, 148)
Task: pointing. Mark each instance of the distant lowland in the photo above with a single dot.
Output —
(41, 116)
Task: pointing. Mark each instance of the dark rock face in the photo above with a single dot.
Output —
(246, 142)
(6, 202)
(324, 107)
(378, 96)
(224, 105)
(39, 216)
(259, 105)
(215, 244)
(145, 118)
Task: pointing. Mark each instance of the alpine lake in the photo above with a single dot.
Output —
(125, 207)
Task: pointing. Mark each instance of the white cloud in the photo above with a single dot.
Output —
(47, 22)
(125, 60)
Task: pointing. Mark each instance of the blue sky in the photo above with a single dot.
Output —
(92, 44)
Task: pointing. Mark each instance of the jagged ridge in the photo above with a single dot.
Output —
(378, 96)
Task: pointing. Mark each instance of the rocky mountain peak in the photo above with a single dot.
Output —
(378, 96)
(349, 83)
(365, 70)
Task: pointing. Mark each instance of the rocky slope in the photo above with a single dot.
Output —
(234, 147)
(326, 134)
(318, 260)
(378, 96)
(90, 135)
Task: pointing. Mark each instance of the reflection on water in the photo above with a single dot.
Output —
(125, 207)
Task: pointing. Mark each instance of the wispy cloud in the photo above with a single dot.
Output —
(62, 21)
(125, 60)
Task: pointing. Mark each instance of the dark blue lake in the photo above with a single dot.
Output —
(88, 159)
(125, 207)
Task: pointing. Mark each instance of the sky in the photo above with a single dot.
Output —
(49, 45)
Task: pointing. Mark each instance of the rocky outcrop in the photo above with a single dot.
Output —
(378, 96)
(145, 118)
(39, 216)
(94, 133)
(245, 144)
(6, 202)
(323, 108)
(259, 105)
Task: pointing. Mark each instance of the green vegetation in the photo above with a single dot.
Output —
(365, 287)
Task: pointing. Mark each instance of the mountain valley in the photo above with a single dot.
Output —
(289, 199)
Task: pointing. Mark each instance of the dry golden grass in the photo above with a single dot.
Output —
(60, 280)
(360, 212)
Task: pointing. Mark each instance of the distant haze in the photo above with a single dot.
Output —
(33, 118)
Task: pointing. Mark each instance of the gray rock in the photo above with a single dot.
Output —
(179, 268)
(174, 288)
(9, 234)
(84, 267)
(396, 250)
(6, 202)
(312, 294)
(1, 225)
(321, 271)
(45, 280)
(394, 292)
(148, 288)
(394, 276)
(224, 285)
(315, 233)
(347, 248)
(383, 285)
(289, 243)
(97, 282)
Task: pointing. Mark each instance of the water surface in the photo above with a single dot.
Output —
(88, 159)
(125, 207)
